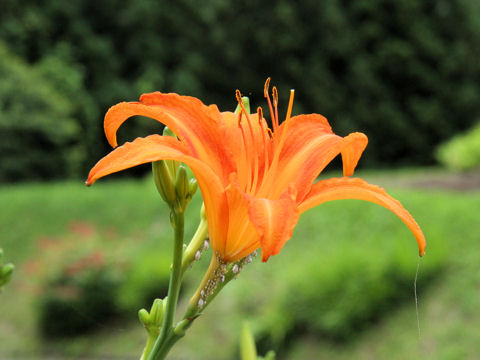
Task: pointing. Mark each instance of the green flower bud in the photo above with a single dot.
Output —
(153, 320)
(193, 187)
(144, 316)
(270, 355)
(172, 165)
(6, 272)
(246, 103)
(164, 182)
(182, 185)
(168, 132)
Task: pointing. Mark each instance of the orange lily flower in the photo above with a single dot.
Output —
(255, 182)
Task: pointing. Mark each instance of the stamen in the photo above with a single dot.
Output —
(253, 178)
(290, 105)
(264, 138)
(260, 114)
(243, 175)
(265, 94)
(277, 145)
(275, 105)
(266, 86)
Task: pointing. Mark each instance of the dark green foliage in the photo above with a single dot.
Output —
(404, 72)
(75, 304)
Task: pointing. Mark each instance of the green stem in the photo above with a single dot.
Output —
(173, 288)
(193, 309)
(195, 244)
(149, 346)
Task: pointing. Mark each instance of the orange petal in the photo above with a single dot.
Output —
(156, 147)
(274, 220)
(195, 124)
(242, 237)
(309, 147)
(140, 151)
(354, 144)
(355, 188)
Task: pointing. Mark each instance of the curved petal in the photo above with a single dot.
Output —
(242, 237)
(309, 146)
(274, 220)
(156, 147)
(348, 188)
(195, 124)
(140, 151)
(354, 144)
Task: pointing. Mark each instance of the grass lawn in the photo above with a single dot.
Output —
(336, 233)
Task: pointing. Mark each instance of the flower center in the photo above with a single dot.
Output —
(259, 149)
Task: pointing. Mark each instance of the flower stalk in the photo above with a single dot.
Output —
(167, 330)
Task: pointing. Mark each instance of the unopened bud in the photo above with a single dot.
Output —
(6, 271)
(168, 132)
(270, 355)
(143, 316)
(193, 187)
(246, 103)
(182, 184)
(172, 165)
(163, 181)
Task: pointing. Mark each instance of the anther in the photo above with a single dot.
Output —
(265, 94)
(266, 86)
(275, 96)
(260, 114)
(238, 95)
(275, 105)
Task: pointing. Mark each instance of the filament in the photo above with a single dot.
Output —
(265, 94)
(251, 180)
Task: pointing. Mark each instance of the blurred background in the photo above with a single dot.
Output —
(406, 73)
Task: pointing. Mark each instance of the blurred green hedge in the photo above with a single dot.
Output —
(40, 137)
(403, 72)
(462, 152)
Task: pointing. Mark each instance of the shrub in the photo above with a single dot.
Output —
(78, 301)
(334, 289)
(40, 137)
(401, 71)
(462, 152)
(87, 276)
(146, 279)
